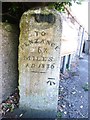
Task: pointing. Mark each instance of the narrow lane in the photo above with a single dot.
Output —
(73, 97)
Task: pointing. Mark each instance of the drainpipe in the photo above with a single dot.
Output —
(63, 64)
(69, 61)
(81, 44)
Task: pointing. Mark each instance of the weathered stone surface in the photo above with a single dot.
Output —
(8, 60)
(39, 61)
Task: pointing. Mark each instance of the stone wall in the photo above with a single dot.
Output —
(8, 59)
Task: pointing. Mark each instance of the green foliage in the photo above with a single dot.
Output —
(13, 8)
(59, 115)
(12, 11)
(86, 87)
(60, 6)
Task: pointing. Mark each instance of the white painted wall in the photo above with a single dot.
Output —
(69, 38)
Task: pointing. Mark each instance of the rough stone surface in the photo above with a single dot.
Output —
(8, 61)
(39, 61)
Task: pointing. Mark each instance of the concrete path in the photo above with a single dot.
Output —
(73, 98)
